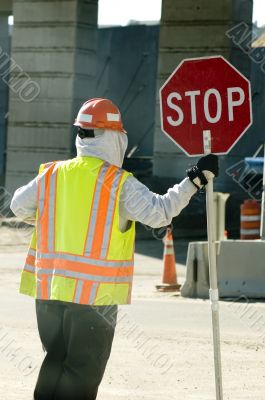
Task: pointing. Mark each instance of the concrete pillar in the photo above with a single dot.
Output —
(4, 49)
(54, 52)
(6, 7)
(193, 28)
(5, 11)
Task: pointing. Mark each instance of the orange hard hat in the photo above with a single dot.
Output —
(99, 114)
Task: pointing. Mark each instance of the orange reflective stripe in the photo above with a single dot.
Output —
(90, 269)
(43, 290)
(94, 209)
(110, 214)
(44, 287)
(30, 260)
(86, 291)
(85, 260)
(29, 265)
(52, 209)
(43, 211)
(31, 257)
(102, 211)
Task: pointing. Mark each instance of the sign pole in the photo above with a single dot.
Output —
(213, 294)
(262, 226)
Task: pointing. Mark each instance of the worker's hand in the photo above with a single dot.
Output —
(206, 168)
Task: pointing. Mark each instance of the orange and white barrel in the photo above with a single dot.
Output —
(250, 216)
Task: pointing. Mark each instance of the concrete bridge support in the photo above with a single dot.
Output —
(54, 53)
(5, 11)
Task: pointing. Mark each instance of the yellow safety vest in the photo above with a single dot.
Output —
(78, 253)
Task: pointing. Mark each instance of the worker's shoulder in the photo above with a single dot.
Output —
(115, 168)
(125, 172)
(49, 164)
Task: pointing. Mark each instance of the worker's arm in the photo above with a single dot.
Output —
(138, 203)
(24, 202)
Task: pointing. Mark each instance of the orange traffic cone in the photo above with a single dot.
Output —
(169, 280)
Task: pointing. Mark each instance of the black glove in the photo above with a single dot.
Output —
(206, 168)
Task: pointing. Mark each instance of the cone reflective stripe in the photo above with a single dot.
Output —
(169, 279)
(169, 249)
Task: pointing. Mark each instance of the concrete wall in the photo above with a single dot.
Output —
(5, 11)
(127, 67)
(126, 74)
(4, 50)
(54, 43)
(6, 6)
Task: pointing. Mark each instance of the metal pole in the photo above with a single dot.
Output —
(213, 294)
(262, 226)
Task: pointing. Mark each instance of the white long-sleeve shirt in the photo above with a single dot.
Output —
(137, 202)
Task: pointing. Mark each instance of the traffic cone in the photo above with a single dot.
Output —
(169, 279)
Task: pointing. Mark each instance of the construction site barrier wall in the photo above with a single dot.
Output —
(240, 269)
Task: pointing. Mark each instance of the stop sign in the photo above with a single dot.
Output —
(205, 94)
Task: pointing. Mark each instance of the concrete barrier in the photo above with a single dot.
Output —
(240, 267)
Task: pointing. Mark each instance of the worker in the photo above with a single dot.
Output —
(79, 266)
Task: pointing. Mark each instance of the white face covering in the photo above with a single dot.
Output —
(107, 145)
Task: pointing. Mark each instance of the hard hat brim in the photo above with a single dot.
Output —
(88, 126)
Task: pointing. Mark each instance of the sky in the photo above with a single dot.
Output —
(259, 12)
(120, 12)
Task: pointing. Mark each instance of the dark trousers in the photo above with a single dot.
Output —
(78, 340)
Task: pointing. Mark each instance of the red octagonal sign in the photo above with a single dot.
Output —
(205, 94)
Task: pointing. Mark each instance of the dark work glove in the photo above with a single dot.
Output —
(206, 168)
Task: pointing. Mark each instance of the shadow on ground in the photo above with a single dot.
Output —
(154, 248)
